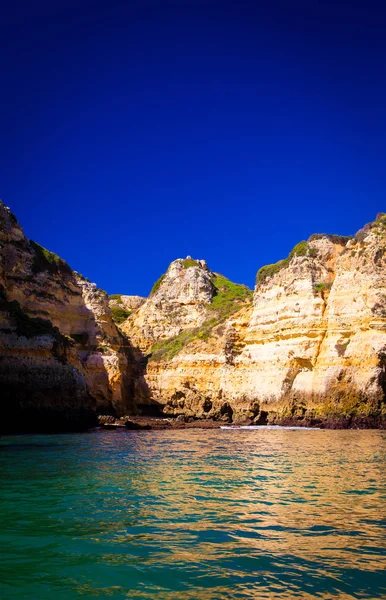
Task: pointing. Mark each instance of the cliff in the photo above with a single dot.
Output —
(62, 358)
(308, 346)
(179, 300)
(185, 305)
(311, 349)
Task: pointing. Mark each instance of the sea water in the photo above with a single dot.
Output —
(193, 514)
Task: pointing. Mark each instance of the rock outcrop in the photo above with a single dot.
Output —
(184, 307)
(129, 303)
(62, 358)
(179, 300)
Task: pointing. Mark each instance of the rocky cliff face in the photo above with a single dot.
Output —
(179, 300)
(61, 356)
(308, 346)
(310, 350)
(185, 305)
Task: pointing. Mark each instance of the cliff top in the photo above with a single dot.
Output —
(311, 249)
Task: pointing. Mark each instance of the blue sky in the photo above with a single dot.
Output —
(134, 133)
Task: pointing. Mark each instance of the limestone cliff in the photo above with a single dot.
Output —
(179, 300)
(185, 305)
(61, 355)
(311, 349)
(308, 346)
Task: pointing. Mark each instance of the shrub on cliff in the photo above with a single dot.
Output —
(82, 277)
(116, 297)
(157, 284)
(270, 270)
(120, 314)
(167, 349)
(44, 260)
(378, 227)
(341, 240)
(321, 287)
(229, 296)
(301, 249)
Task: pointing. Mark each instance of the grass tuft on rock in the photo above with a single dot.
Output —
(189, 262)
(321, 287)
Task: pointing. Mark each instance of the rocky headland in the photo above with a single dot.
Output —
(306, 347)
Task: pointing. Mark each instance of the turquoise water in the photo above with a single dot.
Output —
(193, 514)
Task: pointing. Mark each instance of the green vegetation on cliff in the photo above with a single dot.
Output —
(301, 249)
(321, 287)
(270, 270)
(333, 237)
(44, 260)
(82, 277)
(229, 298)
(378, 227)
(116, 297)
(189, 262)
(120, 314)
(165, 350)
(157, 284)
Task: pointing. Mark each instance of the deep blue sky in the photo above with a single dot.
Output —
(134, 133)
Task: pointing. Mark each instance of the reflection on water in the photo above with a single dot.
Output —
(218, 514)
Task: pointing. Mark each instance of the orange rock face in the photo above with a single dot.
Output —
(59, 346)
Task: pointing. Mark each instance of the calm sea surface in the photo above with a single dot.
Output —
(192, 514)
